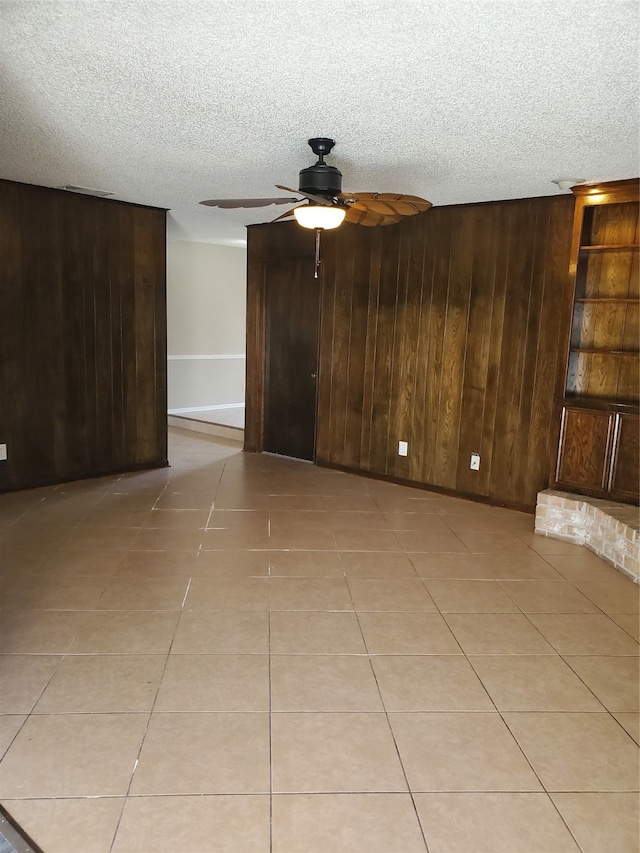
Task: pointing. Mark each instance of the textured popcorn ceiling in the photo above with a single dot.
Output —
(168, 103)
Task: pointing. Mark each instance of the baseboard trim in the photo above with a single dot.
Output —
(427, 487)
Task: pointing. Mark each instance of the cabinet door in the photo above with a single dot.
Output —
(625, 477)
(584, 453)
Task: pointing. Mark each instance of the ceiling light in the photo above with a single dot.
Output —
(316, 216)
(567, 183)
(85, 191)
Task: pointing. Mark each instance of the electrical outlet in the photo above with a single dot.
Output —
(403, 448)
(3, 452)
(475, 462)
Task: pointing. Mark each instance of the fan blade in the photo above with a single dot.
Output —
(284, 215)
(361, 215)
(318, 199)
(228, 203)
(391, 204)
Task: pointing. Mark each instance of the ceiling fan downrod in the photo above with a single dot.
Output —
(321, 145)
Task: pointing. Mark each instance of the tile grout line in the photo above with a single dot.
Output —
(393, 736)
(146, 729)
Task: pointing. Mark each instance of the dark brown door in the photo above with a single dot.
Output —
(292, 300)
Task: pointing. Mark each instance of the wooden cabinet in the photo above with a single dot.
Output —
(585, 449)
(598, 448)
(598, 452)
(625, 470)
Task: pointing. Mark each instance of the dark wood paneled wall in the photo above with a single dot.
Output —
(82, 336)
(444, 331)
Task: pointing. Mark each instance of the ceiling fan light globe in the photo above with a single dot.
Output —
(317, 217)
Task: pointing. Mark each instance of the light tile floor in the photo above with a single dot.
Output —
(243, 653)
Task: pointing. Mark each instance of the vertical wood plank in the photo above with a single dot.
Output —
(343, 275)
(406, 398)
(513, 398)
(371, 345)
(453, 357)
(44, 346)
(77, 284)
(159, 253)
(503, 232)
(327, 284)
(98, 325)
(254, 364)
(476, 367)
(13, 337)
(435, 330)
(386, 321)
(552, 285)
(417, 458)
(401, 378)
(357, 351)
(145, 344)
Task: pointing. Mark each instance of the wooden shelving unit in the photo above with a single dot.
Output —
(598, 446)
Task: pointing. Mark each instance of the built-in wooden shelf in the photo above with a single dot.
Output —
(632, 300)
(593, 351)
(599, 436)
(611, 248)
(602, 403)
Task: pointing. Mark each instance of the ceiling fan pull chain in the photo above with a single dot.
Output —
(317, 261)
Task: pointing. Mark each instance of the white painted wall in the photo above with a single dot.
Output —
(206, 308)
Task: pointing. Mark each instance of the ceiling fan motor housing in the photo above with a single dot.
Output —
(321, 179)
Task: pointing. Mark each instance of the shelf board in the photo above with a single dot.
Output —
(606, 403)
(591, 351)
(633, 300)
(610, 247)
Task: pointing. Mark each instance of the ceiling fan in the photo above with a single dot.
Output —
(323, 204)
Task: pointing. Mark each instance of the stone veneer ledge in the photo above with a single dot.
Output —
(607, 528)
